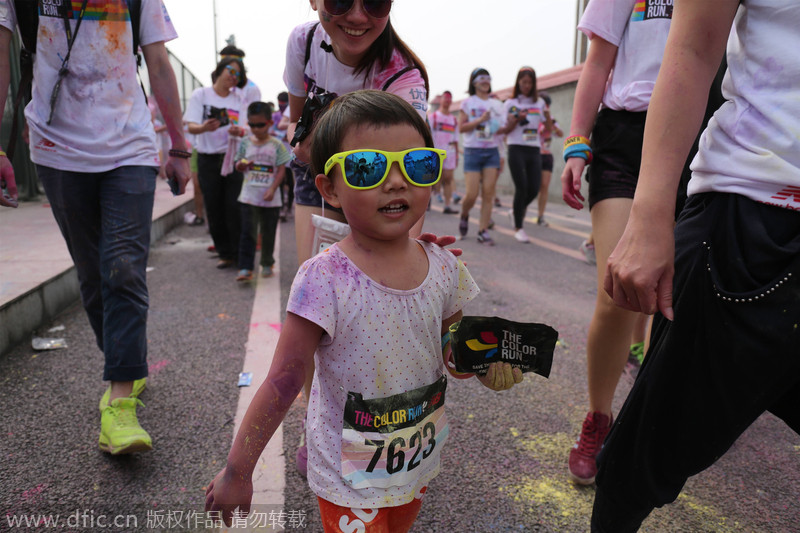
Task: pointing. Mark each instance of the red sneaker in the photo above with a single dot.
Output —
(583, 456)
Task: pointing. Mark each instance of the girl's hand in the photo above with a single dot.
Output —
(269, 195)
(227, 492)
(244, 165)
(501, 376)
(444, 241)
(210, 124)
(571, 182)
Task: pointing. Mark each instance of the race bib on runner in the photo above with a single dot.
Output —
(393, 441)
(530, 135)
(261, 175)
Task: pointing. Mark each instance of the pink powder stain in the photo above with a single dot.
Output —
(31, 495)
(276, 327)
(156, 367)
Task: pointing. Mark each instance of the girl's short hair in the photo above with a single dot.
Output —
(224, 62)
(475, 73)
(357, 109)
(526, 71)
(261, 108)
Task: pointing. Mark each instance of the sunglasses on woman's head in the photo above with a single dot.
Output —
(366, 169)
(374, 8)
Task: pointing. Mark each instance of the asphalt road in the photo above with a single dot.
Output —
(504, 467)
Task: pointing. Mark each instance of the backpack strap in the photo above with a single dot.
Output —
(135, 10)
(27, 12)
(397, 75)
(309, 40)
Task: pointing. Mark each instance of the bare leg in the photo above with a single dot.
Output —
(489, 183)
(612, 327)
(447, 186)
(471, 182)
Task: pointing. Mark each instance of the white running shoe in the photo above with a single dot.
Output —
(521, 236)
(587, 249)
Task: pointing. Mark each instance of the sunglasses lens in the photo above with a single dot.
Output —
(422, 166)
(377, 8)
(338, 7)
(364, 169)
(256, 124)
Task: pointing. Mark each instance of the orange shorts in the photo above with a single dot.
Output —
(336, 519)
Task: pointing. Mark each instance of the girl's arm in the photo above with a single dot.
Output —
(464, 124)
(588, 95)
(639, 273)
(233, 486)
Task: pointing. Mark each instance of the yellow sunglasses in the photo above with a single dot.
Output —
(366, 168)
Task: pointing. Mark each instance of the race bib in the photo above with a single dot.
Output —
(261, 175)
(530, 135)
(393, 441)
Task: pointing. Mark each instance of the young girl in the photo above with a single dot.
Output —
(262, 159)
(480, 119)
(628, 39)
(353, 46)
(525, 111)
(374, 308)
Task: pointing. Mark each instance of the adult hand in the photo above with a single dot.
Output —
(210, 124)
(640, 269)
(9, 197)
(501, 376)
(444, 241)
(227, 492)
(571, 182)
(236, 131)
(177, 168)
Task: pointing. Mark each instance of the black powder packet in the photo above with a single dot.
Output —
(478, 341)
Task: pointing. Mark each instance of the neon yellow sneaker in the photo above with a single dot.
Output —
(120, 431)
(138, 386)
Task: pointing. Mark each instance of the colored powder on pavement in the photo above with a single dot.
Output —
(708, 515)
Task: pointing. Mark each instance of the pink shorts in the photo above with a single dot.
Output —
(336, 519)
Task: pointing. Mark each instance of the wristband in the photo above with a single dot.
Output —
(578, 146)
(183, 154)
(3, 154)
(445, 339)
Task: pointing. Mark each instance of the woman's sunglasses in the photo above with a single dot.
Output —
(366, 169)
(374, 8)
(233, 71)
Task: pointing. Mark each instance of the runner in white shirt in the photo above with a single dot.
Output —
(726, 278)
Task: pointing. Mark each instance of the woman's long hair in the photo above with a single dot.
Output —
(526, 71)
(381, 52)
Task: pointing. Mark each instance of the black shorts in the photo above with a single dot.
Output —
(547, 162)
(616, 154)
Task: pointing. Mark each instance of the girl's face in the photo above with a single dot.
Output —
(352, 33)
(482, 84)
(259, 125)
(388, 211)
(526, 85)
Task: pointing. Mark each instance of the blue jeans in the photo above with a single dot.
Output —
(105, 218)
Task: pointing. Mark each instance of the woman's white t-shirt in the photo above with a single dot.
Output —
(101, 120)
(752, 143)
(483, 136)
(527, 134)
(639, 29)
(379, 361)
(197, 111)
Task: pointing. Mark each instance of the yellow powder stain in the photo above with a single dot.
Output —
(554, 497)
(514, 432)
(708, 515)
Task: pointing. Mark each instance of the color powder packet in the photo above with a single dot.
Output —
(478, 341)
